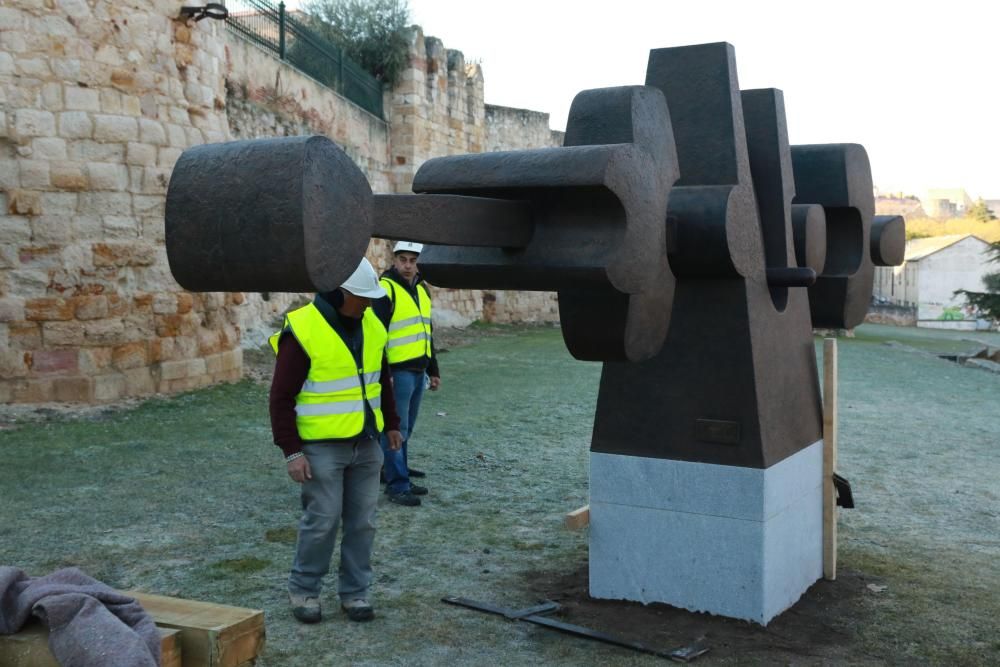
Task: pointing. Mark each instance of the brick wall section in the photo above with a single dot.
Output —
(100, 99)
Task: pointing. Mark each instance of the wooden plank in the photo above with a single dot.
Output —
(829, 458)
(578, 518)
(30, 648)
(211, 635)
(171, 654)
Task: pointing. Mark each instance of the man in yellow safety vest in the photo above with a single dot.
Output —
(331, 398)
(407, 307)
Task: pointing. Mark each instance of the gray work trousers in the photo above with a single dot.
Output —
(344, 485)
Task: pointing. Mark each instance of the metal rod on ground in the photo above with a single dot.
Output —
(534, 615)
(829, 458)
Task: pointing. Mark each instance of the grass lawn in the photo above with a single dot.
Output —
(187, 496)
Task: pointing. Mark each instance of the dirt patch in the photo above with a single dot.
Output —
(808, 630)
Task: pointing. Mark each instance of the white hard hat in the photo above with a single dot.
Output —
(364, 281)
(407, 246)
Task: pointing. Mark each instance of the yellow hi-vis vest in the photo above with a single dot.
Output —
(331, 404)
(410, 326)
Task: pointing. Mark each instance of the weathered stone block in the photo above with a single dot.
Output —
(94, 359)
(118, 306)
(105, 176)
(164, 304)
(209, 341)
(40, 256)
(35, 174)
(105, 203)
(120, 227)
(15, 229)
(10, 174)
(33, 123)
(154, 180)
(91, 307)
(167, 157)
(14, 363)
(24, 335)
(115, 128)
(109, 387)
(48, 309)
(11, 309)
(123, 254)
(111, 102)
(185, 347)
(68, 176)
(82, 99)
(73, 389)
(86, 150)
(60, 204)
(75, 125)
(152, 132)
(48, 148)
(185, 302)
(182, 368)
(138, 327)
(110, 331)
(139, 382)
(54, 361)
(143, 155)
(232, 360)
(66, 69)
(63, 333)
(34, 391)
(213, 364)
(130, 355)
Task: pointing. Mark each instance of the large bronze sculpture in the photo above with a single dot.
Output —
(693, 250)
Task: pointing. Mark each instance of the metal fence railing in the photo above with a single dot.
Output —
(273, 28)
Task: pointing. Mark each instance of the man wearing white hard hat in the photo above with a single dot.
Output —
(331, 398)
(407, 308)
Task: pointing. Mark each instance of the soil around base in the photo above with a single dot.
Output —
(812, 630)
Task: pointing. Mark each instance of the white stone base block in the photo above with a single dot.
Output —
(739, 542)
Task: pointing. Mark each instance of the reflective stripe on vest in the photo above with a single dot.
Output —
(331, 404)
(410, 327)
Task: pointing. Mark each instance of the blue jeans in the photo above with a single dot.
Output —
(343, 489)
(408, 389)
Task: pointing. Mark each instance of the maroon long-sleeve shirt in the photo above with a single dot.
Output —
(290, 373)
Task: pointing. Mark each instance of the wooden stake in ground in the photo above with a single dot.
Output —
(829, 458)
(578, 518)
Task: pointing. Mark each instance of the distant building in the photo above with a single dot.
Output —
(994, 206)
(946, 202)
(907, 206)
(932, 269)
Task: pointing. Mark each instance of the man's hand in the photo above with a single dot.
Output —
(395, 440)
(299, 469)
(435, 383)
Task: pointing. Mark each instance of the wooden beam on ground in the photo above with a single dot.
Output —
(829, 458)
(211, 635)
(30, 648)
(578, 518)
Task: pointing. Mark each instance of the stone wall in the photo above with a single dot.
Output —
(510, 129)
(99, 100)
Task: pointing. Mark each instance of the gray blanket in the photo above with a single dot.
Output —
(90, 624)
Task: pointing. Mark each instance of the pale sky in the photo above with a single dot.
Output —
(916, 83)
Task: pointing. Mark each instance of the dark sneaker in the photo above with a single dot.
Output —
(305, 609)
(358, 610)
(406, 498)
(418, 490)
(417, 473)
